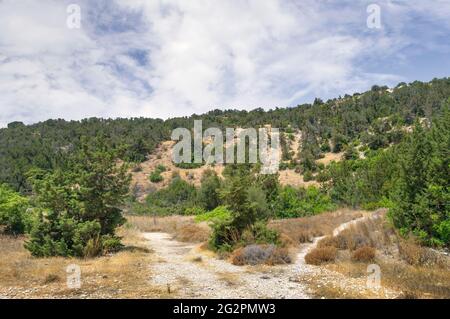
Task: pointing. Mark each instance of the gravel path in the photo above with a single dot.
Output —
(192, 273)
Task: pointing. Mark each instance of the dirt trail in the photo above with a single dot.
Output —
(192, 273)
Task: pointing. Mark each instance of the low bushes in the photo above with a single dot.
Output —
(415, 255)
(13, 208)
(174, 199)
(292, 202)
(321, 255)
(260, 254)
(226, 237)
(155, 177)
(220, 213)
(364, 254)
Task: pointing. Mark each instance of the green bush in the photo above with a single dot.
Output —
(220, 213)
(308, 176)
(174, 199)
(292, 203)
(194, 211)
(161, 168)
(258, 233)
(155, 177)
(79, 220)
(13, 209)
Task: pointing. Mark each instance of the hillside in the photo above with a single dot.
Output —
(325, 126)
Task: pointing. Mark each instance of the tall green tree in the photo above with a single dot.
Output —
(81, 205)
(422, 200)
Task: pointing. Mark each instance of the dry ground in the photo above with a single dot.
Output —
(165, 257)
(406, 267)
(122, 275)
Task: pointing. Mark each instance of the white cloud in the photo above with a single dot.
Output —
(171, 58)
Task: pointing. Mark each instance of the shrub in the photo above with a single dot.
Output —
(194, 211)
(79, 220)
(12, 211)
(308, 176)
(155, 177)
(416, 255)
(111, 244)
(339, 242)
(260, 254)
(292, 202)
(161, 168)
(364, 254)
(220, 213)
(224, 235)
(258, 233)
(321, 255)
(174, 199)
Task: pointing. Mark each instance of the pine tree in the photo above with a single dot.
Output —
(80, 206)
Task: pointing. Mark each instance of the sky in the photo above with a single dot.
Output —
(161, 58)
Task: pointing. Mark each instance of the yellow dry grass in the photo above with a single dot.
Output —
(122, 275)
(183, 228)
(330, 157)
(304, 229)
(290, 177)
(412, 270)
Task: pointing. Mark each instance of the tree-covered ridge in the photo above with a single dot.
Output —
(373, 118)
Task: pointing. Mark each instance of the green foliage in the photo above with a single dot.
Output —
(155, 177)
(421, 194)
(258, 233)
(357, 183)
(208, 194)
(13, 208)
(351, 153)
(247, 197)
(194, 211)
(293, 203)
(47, 145)
(308, 176)
(80, 206)
(219, 214)
(174, 199)
(161, 168)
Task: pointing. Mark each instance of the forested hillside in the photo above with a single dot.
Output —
(374, 117)
(393, 145)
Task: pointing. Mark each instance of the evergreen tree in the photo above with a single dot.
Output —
(80, 207)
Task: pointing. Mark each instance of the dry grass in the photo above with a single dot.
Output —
(290, 177)
(301, 230)
(183, 228)
(410, 281)
(374, 232)
(412, 270)
(330, 157)
(260, 254)
(321, 255)
(364, 254)
(122, 275)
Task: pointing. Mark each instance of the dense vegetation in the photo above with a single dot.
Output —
(395, 154)
(78, 208)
